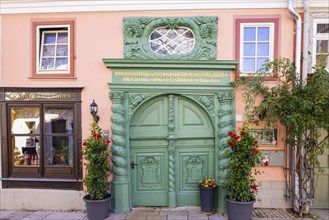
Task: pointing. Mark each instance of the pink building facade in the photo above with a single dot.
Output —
(59, 56)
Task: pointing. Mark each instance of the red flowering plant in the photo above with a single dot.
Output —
(96, 157)
(244, 155)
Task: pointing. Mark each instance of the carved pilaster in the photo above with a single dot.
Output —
(119, 153)
(225, 124)
(171, 133)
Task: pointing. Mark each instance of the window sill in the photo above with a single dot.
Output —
(52, 77)
(265, 78)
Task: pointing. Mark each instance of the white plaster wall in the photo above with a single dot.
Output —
(41, 199)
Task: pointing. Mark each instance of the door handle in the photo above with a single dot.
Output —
(132, 165)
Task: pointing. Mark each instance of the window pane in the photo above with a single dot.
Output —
(59, 120)
(62, 38)
(61, 64)
(47, 63)
(322, 46)
(25, 120)
(62, 50)
(48, 50)
(263, 34)
(59, 150)
(50, 38)
(322, 28)
(260, 62)
(249, 49)
(249, 65)
(322, 60)
(172, 41)
(25, 148)
(263, 49)
(249, 34)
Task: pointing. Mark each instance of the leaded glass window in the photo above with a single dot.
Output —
(169, 41)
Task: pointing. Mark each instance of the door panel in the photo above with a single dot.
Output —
(193, 144)
(193, 164)
(150, 185)
(151, 120)
(192, 121)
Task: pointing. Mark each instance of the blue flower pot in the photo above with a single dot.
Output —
(208, 199)
(98, 209)
(239, 210)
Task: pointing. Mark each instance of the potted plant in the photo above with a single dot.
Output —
(97, 161)
(241, 186)
(208, 189)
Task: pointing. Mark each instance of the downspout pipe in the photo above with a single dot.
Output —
(298, 20)
(306, 40)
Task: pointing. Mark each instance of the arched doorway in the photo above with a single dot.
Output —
(198, 116)
(172, 147)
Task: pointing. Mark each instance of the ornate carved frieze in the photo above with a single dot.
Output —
(225, 96)
(171, 116)
(208, 102)
(137, 31)
(134, 101)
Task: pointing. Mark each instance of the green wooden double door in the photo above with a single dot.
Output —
(171, 149)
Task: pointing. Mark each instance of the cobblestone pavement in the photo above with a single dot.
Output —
(180, 213)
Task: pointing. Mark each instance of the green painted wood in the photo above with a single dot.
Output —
(191, 138)
(171, 64)
(149, 150)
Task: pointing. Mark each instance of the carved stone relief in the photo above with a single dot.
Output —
(138, 29)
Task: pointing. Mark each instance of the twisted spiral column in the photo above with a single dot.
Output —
(225, 124)
(171, 146)
(119, 153)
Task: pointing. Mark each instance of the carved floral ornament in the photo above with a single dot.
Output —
(170, 37)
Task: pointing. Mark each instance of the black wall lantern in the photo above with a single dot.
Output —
(94, 110)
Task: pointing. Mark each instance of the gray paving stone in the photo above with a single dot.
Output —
(75, 215)
(156, 217)
(56, 215)
(114, 216)
(4, 213)
(137, 216)
(174, 212)
(18, 215)
(198, 217)
(175, 217)
(37, 215)
(218, 217)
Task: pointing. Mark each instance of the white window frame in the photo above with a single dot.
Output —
(271, 27)
(318, 36)
(39, 38)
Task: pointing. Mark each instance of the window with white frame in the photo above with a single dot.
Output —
(53, 43)
(256, 46)
(321, 43)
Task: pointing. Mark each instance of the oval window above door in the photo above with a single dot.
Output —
(169, 41)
